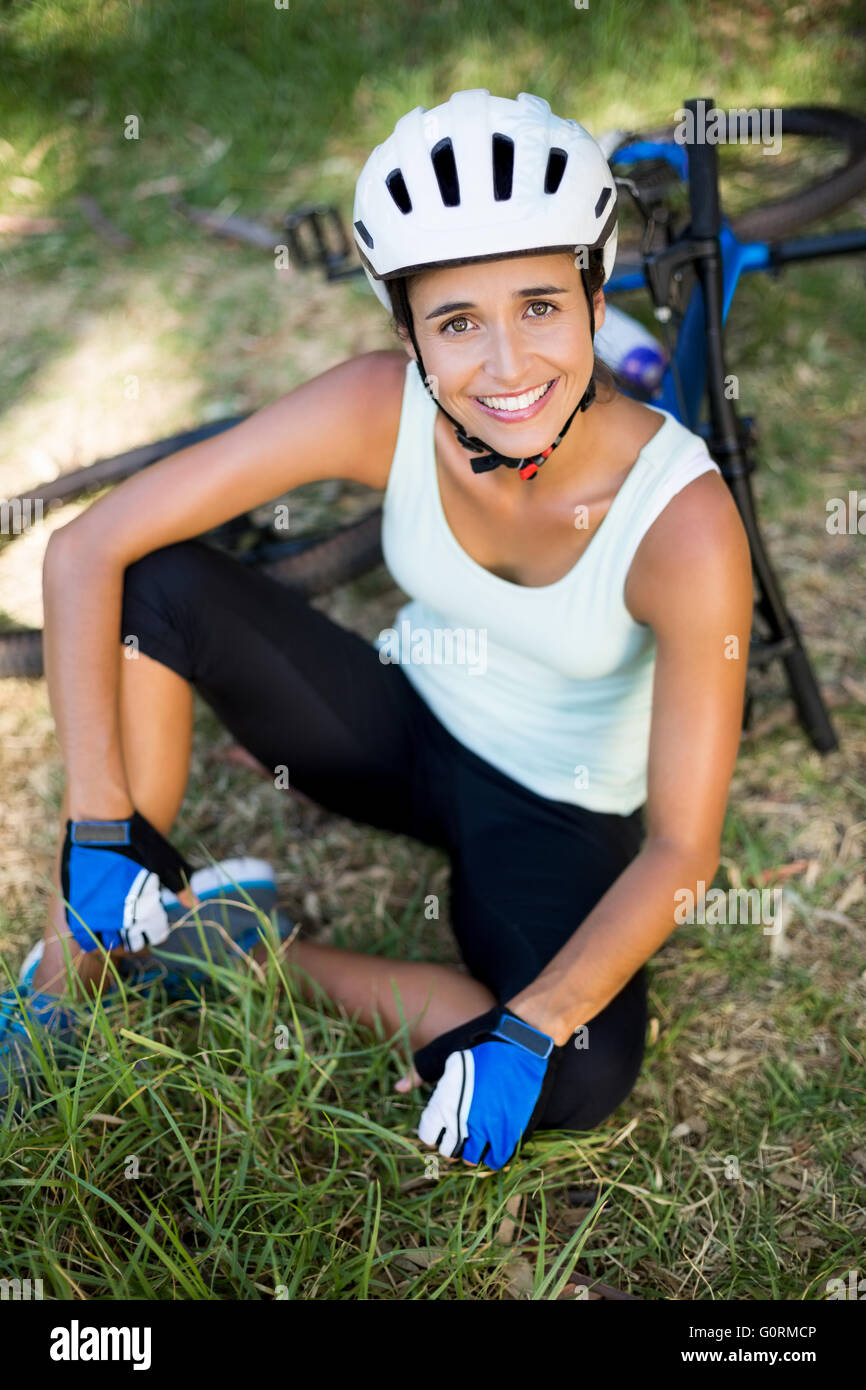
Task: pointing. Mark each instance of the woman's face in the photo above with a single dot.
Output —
(506, 345)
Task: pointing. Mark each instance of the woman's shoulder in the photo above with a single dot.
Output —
(358, 404)
(628, 428)
(389, 363)
(698, 525)
(384, 381)
(638, 424)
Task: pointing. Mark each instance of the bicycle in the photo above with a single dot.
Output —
(708, 253)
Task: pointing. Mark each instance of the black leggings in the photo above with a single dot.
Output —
(296, 689)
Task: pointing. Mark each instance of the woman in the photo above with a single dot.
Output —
(560, 704)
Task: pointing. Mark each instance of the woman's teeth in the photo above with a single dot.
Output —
(514, 402)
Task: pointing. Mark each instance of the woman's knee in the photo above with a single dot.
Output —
(168, 571)
(601, 1064)
(162, 593)
(584, 1097)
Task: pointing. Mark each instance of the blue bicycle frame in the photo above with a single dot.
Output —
(697, 369)
(689, 360)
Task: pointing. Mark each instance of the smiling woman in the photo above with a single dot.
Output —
(488, 228)
(572, 653)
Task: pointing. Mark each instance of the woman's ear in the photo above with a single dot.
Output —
(598, 305)
(403, 335)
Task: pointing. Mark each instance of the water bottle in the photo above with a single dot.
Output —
(628, 348)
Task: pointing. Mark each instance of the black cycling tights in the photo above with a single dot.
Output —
(296, 689)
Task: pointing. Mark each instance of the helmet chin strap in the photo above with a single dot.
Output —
(491, 458)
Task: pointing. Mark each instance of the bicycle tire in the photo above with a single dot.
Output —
(78, 482)
(346, 554)
(318, 568)
(21, 654)
(782, 216)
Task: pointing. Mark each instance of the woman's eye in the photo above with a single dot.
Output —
(549, 311)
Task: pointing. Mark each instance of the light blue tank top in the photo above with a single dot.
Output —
(553, 684)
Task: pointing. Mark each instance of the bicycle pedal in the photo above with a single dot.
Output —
(316, 237)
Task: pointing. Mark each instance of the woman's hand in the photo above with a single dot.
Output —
(491, 1096)
(408, 1081)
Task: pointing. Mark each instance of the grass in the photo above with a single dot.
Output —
(186, 1156)
(250, 1146)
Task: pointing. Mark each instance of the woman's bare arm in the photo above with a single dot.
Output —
(342, 424)
(694, 584)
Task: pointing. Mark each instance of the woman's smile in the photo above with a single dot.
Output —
(517, 406)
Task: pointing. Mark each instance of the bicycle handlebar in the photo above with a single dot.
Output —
(703, 162)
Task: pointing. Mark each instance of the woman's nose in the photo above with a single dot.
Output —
(506, 361)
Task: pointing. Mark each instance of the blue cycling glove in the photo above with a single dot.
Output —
(490, 1096)
(110, 873)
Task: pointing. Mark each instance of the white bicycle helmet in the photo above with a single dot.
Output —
(478, 178)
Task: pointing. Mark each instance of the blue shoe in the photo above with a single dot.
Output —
(227, 930)
(26, 1018)
(229, 926)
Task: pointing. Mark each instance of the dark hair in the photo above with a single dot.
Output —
(601, 373)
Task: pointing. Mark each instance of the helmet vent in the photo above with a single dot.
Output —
(556, 162)
(398, 190)
(364, 234)
(442, 155)
(503, 167)
(603, 200)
